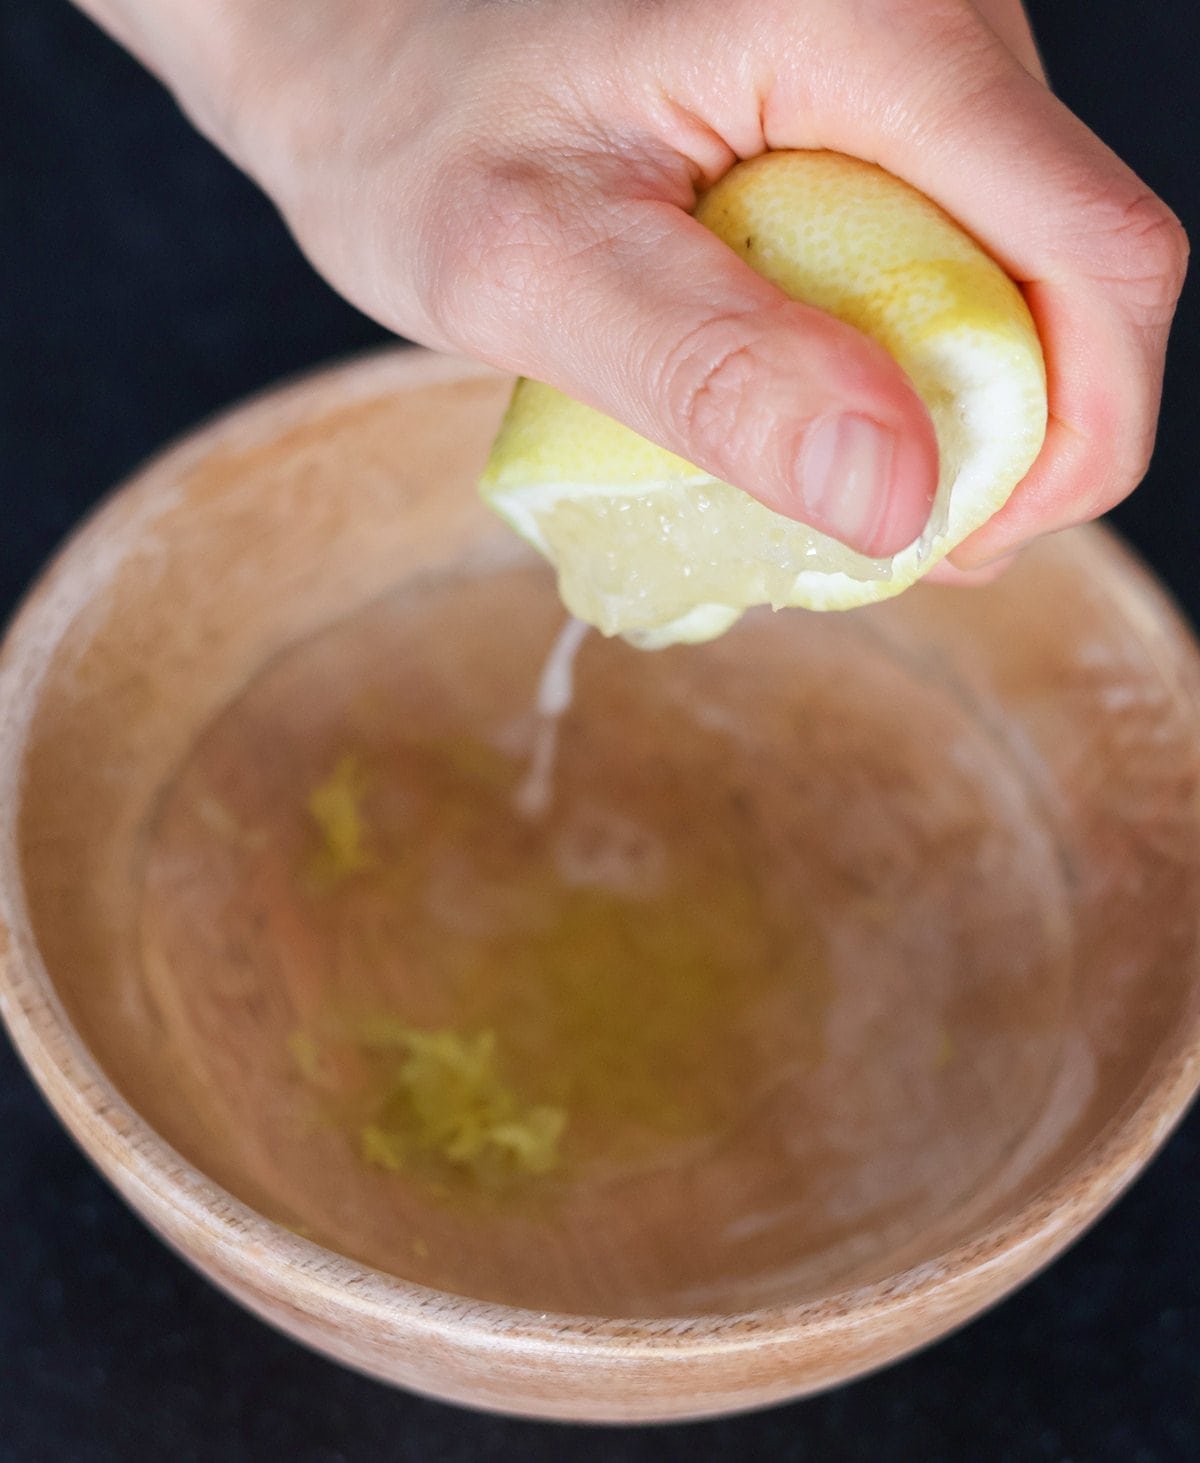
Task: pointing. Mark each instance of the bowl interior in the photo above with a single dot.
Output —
(841, 937)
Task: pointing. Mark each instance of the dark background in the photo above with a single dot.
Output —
(145, 284)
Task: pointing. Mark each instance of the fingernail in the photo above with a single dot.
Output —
(844, 472)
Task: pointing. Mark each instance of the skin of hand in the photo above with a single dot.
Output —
(513, 179)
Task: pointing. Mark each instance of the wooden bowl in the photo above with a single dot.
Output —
(986, 806)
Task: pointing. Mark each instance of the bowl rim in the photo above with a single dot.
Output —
(258, 1251)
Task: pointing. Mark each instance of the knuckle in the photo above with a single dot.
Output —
(705, 385)
(494, 236)
(948, 64)
(1143, 253)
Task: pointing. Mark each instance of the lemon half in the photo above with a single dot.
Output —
(652, 548)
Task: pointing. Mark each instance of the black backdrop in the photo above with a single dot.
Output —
(144, 284)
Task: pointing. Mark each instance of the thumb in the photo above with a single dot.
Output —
(645, 315)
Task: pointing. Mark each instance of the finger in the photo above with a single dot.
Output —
(634, 308)
(946, 573)
(1011, 25)
(1101, 258)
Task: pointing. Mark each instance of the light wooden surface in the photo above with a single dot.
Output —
(991, 802)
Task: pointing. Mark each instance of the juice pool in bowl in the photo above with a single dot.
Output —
(744, 977)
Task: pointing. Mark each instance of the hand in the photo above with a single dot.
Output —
(513, 180)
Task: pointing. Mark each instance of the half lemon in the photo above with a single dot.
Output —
(652, 548)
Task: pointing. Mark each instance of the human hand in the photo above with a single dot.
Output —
(513, 181)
